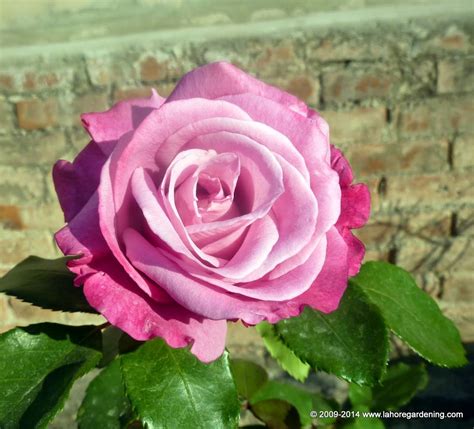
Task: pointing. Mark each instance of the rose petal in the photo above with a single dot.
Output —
(221, 78)
(139, 150)
(355, 206)
(208, 300)
(296, 226)
(125, 116)
(111, 292)
(76, 182)
(356, 251)
(257, 131)
(326, 292)
(313, 145)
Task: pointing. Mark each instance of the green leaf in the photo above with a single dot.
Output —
(299, 398)
(171, 388)
(363, 423)
(248, 377)
(276, 414)
(399, 385)
(320, 403)
(285, 357)
(105, 405)
(411, 313)
(351, 342)
(38, 366)
(360, 395)
(46, 283)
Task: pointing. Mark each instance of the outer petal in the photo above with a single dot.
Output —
(76, 182)
(219, 79)
(356, 251)
(125, 116)
(111, 292)
(355, 206)
(331, 283)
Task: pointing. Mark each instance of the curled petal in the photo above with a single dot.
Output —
(221, 78)
(125, 116)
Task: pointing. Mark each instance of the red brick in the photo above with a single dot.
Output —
(360, 124)
(88, 103)
(455, 75)
(159, 66)
(437, 116)
(352, 48)
(302, 86)
(10, 217)
(422, 156)
(35, 114)
(428, 190)
(453, 39)
(463, 152)
(151, 69)
(7, 82)
(129, 93)
(355, 84)
(275, 59)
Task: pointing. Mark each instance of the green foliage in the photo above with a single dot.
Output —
(105, 405)
(299, 398)
(398, 386)
(411, 313)
(171, 388)
(248, 377)
(285, 357)
(45, 283)
(351, 342)
(38, 366)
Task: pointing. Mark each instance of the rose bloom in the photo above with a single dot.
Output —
(224, 201)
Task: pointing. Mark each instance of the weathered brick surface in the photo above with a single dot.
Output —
(21, 185)
(438, 116)
(33, 149)
(357, 83)
(36, 114)
(398, 99)
(400, 157)
(456, 75)
(430, 189)
(357, 125)
(463, 152)
(6, 122)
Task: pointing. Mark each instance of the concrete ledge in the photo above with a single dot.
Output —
(111, 33)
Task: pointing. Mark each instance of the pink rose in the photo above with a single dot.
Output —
(224, 201)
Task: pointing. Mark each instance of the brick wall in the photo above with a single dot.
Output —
(397, 95)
